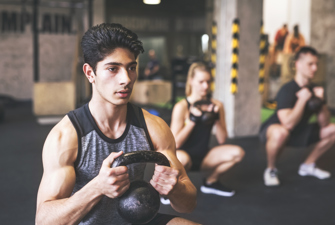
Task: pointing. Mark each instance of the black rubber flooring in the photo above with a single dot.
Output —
(299, 200)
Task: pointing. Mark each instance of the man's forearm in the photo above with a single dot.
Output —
(324, 116)
(293, 118)
(184, 198)
(68, 210)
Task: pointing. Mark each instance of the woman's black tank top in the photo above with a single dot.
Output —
(197, 143)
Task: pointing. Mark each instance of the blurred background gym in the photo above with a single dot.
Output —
(41, 80)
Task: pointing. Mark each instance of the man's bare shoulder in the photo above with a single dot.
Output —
(62, 143)
(154, 121)
(159, 131)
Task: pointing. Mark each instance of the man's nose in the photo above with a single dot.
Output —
(124, 77)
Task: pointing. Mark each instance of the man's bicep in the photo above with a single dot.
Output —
(56, 184)
(160, 133)
(177, 119)
(59, 155)
(165, 144)
(283, 114)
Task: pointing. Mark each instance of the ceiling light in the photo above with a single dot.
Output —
(152, 2)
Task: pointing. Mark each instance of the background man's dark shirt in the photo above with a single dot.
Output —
(286, 99)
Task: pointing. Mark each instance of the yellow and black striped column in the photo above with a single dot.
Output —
(213, 54)
(234, 59)
(262, 55)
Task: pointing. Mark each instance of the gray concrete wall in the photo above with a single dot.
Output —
(248, 99)
(224, 14)
(16, 65)
(56, 53)
(323, 39)
(243, 109)
(56, 57)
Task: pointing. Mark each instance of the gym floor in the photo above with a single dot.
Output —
(299, 200)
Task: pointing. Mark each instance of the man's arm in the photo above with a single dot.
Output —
(324, 114)
(221, 129)
(289, 118)
(170, 181)
(54, 204)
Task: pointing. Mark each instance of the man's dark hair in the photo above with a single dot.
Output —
(101, 40)
(305, 50)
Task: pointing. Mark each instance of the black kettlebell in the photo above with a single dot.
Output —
(314, 104)
(206, 117)
(140, 203)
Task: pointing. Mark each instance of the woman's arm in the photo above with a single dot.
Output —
(221, 129)
(181, 130)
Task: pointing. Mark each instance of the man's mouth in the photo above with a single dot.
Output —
(124, 93)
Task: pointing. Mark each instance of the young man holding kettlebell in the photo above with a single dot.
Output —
(289, 125)
(78, 184)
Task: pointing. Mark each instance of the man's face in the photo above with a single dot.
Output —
(115, 76)
(152, 54)
(307, 65)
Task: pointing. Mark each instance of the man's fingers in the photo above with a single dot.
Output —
(162, 189)
(166, 170)
(164, 180)
(110, 159)
(121, 176)
(117, 171)
(121, 189)
(164, 176)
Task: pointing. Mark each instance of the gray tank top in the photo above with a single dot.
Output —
(94, 147)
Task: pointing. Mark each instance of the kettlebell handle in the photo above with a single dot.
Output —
(141, 157)
(310, 88)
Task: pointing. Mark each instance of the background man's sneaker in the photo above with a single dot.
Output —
(312, 170)
(271, 177)
(165, 201)
(216, 189)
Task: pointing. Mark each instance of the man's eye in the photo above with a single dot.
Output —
(132, 68)
(112, 69)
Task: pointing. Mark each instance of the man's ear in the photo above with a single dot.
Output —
(297, 64)
(89, 72)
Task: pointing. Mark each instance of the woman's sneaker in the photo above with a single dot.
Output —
(271, 177)
(216, 189)
(312, 170)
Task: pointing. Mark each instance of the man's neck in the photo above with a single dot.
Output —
(301, 80)
(111, 119)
